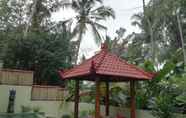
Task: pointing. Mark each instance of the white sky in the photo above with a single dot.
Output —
(124, 9)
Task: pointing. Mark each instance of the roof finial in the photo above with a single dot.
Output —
(92, 69)
(104, 46)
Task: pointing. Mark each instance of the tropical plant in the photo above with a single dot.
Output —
(39, 13)
(89, 16)
(164, 106)
(26, 109)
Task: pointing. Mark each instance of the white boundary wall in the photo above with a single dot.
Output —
(54, 108)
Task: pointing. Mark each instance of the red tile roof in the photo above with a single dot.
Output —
(106, 64)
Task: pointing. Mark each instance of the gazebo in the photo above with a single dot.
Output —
(105, 67)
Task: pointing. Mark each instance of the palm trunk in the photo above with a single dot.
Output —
(143, 6)
(78, 47)
(153, 56)
(182, 40)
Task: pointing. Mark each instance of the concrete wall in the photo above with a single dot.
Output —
(54, 108)
(23, 97)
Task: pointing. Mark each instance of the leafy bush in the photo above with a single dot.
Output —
(164, 103)
(26, 109)
(164, 107)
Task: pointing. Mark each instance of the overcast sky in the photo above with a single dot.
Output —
(124, 9)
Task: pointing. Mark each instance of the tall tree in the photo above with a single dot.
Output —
(150, 28)
(39, 13)
(89, 15)
(117, 45)
(181, 37)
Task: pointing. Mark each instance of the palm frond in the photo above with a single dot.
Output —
(136, 23)
(99, 26)
(92, 1)
(96, 34)
(97, 18)
(100, 1)
(76, 5)
(104, 12)
(138, 17)
(64, 4)
(76, 31)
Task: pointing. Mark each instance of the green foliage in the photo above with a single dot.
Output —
(84, 114)
(87, 113)
(148, 66)
(36, 109)
(149, 90)
(118, 96)
(165, 102)
(26, 109)
(118, 44)
(44, 49)
(44, 54)
(66, 116)
(164, 106)
(23, 115)
(71, 86)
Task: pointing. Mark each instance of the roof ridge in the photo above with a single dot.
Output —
(102, 58)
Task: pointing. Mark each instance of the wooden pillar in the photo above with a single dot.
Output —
(97, 104)
(76, 104)
(107, 100)
(133, 103)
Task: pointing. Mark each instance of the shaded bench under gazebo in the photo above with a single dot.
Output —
(105, 67)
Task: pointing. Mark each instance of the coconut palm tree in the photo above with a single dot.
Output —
(39, 12)
(150, 27)
(89, 15)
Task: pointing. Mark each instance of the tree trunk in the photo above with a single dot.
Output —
(78, 46)
(153, 56)
(31, 16)
(97, 102)
(107, 100)
(76, 104)
(143, 6)
(182, 40)
(133, 100)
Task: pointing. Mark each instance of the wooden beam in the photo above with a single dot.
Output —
(107, 100)
(76, 104)
(97, 104)
(133, 103)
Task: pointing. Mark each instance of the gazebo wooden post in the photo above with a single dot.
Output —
(76, 104)
(97, 104)
(133, 103)
(107, 100)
